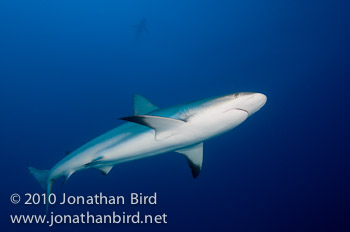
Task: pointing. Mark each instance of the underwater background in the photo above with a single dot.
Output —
(69, 69)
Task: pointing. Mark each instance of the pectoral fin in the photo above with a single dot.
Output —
(194, 156)
(164, 127)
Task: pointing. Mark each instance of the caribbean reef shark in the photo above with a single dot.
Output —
(141, 27)
(152, 131)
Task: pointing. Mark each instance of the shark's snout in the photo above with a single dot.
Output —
(257, 102)
(261, 98)
(252, 102)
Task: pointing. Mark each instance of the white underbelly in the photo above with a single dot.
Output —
(144, 145)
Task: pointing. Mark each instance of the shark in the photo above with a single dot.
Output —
(152, 131)
(141, 27)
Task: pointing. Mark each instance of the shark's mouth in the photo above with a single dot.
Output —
(241, 110)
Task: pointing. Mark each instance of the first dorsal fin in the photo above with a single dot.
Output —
(163, 126)
(142, 105)
(194, 156)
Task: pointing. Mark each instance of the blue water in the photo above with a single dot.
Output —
(69, 69)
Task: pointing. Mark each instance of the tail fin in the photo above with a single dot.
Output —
(42, 176)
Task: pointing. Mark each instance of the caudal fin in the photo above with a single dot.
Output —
(42, 176)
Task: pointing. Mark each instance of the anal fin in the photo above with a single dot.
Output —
(66, 177)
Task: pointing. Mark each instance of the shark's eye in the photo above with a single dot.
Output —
(236, 95)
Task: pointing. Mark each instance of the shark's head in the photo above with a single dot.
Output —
(218, 115)
(247, 101)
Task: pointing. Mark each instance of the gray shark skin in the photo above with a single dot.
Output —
(152, 131)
